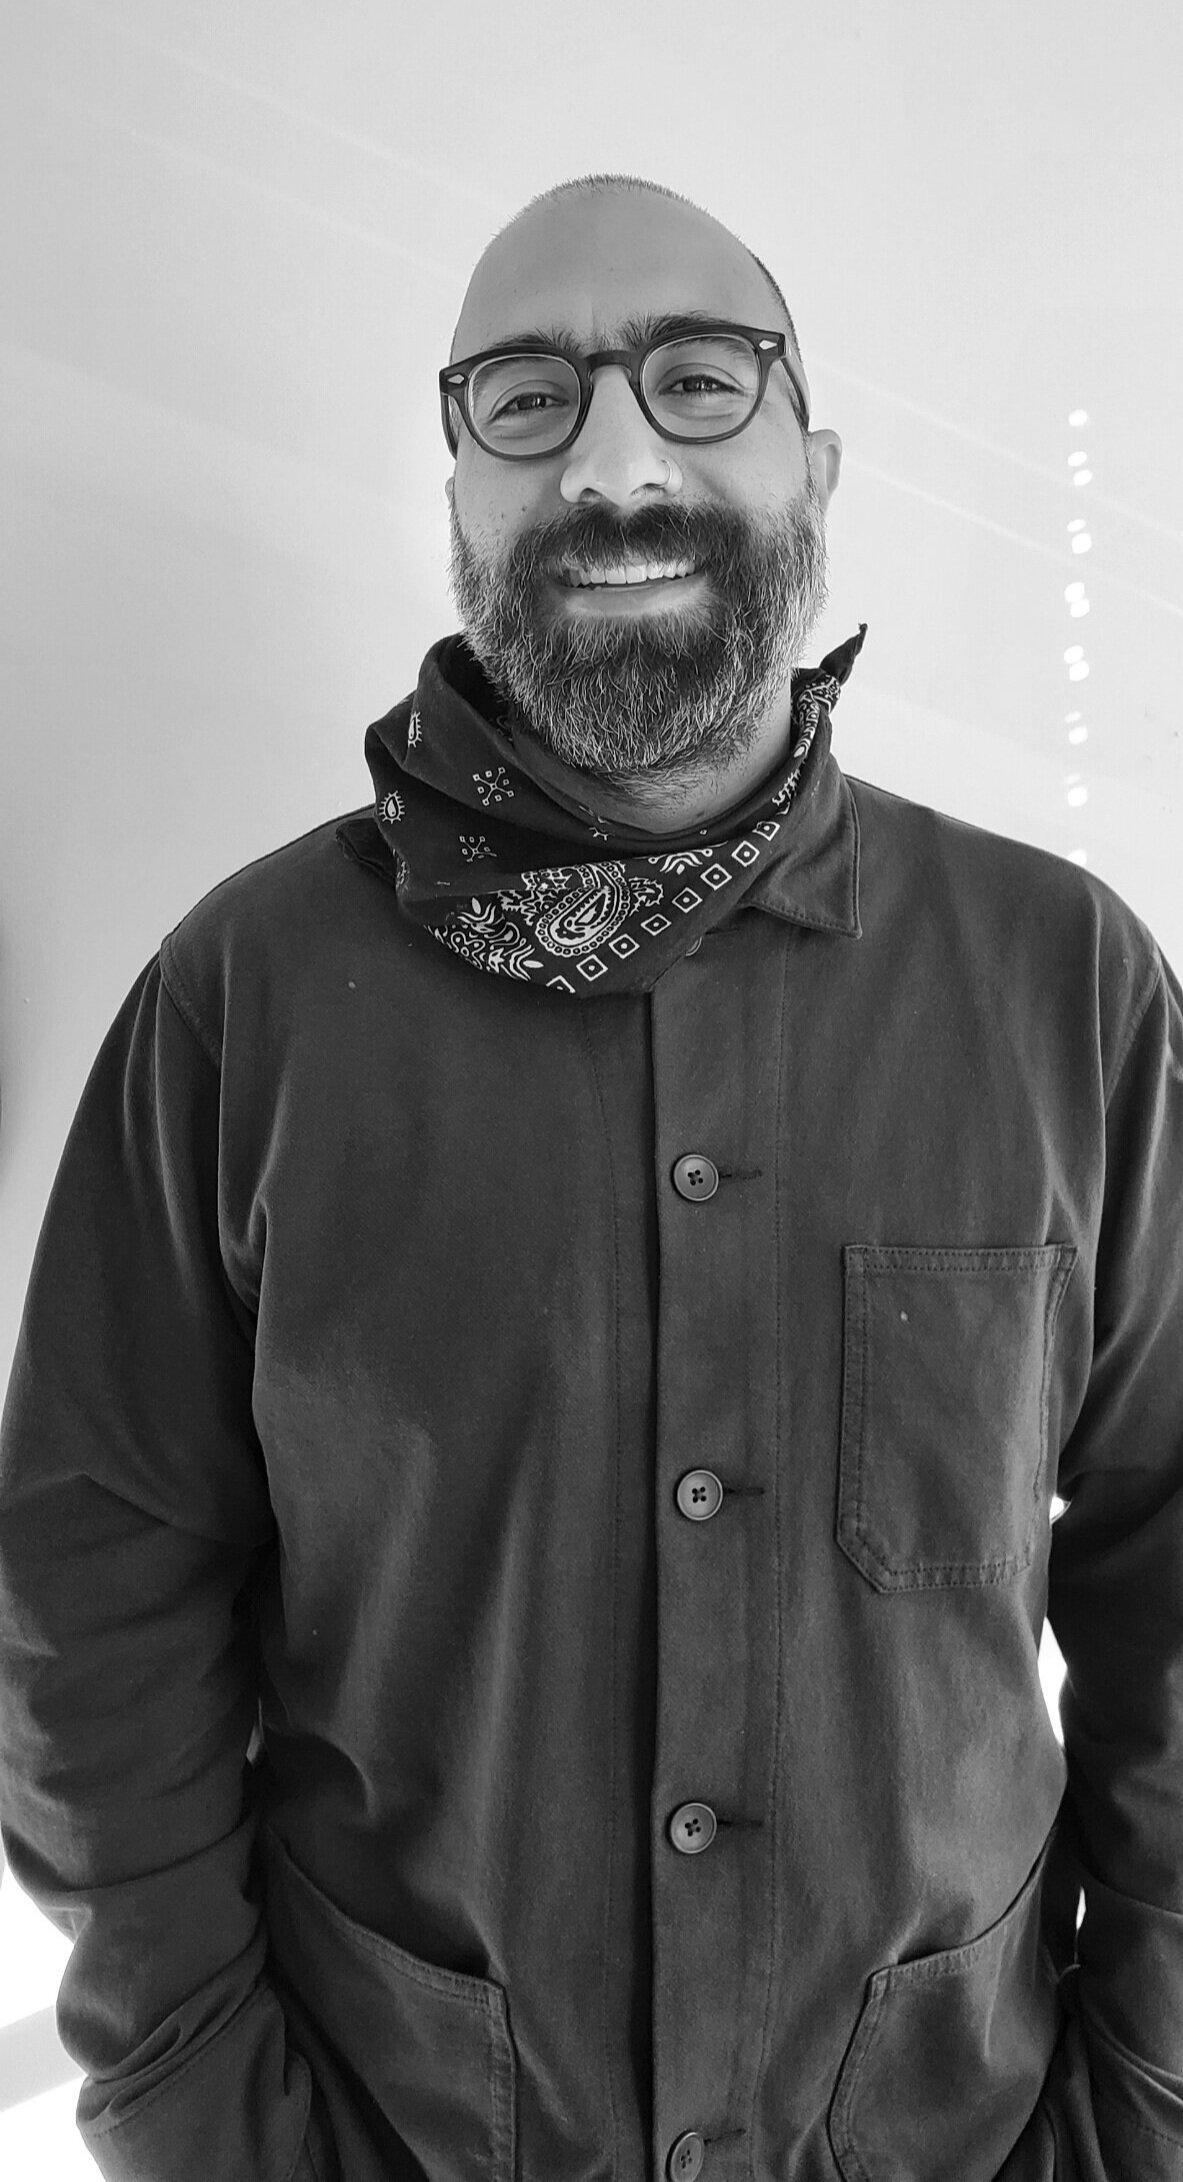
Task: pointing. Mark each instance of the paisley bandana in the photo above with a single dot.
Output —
(517, 881)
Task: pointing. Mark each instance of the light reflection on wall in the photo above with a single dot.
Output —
(1077, 601)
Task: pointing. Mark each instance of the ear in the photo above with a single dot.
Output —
(825, 462)
(449, 487)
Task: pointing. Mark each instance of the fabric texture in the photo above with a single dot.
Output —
(521, 886)
(525, 1533)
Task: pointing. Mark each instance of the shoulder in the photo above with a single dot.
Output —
(923, 841)
(1042, 917)
(266, 928)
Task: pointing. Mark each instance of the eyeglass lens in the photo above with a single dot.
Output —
(701, 386)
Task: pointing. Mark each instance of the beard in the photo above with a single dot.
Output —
(656, 698)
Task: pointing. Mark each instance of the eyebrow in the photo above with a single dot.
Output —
(633, 333)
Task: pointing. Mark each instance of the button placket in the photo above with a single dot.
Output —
(717, 1333)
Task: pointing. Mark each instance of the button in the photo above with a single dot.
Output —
(695, 1176)
(686, 2158)
(692, 1828)
(699, 1495)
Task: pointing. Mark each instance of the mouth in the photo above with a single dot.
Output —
(628, 588)
(626, 575)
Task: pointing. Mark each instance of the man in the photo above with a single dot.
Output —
(526, 1506)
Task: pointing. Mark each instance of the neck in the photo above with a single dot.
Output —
(674, 803)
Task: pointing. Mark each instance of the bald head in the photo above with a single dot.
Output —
(589, 257)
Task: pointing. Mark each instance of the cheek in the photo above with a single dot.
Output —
(492, 518)
(758, 482)
(772, 471)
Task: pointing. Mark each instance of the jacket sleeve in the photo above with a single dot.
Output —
(1116, 1606)
(133, 1515)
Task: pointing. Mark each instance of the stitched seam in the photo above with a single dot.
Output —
(847, 1438)
(184, 1005)
(947, 1575)
(1057, 1289)
(863, 1412)
(868, 2028)
(614, 1800)
(811, 919)
(1140, 1014)
(184, 1008)
(905, 1257)
(500, 2091)
(778, 1537)
(855, 863)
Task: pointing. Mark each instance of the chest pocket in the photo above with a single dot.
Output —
(943, 1448)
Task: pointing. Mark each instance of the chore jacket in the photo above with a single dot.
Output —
(526, 1528)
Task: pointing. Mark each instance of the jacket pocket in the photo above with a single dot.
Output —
(431, 2046)
(949, 2057)
(943, 1449)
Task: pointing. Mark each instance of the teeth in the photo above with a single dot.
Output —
(632, 572)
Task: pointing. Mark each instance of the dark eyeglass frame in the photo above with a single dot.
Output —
(770, 346)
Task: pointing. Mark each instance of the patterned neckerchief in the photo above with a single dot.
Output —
(520, 884)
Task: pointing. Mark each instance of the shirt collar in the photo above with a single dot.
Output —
(816, 881)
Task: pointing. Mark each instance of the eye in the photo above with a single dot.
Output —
(704, 381)
(511, 407)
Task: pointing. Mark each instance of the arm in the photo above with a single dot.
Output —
(133, 1512)
(1116, 1606)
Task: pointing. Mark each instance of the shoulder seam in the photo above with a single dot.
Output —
(1136, 1022)
(170, 977)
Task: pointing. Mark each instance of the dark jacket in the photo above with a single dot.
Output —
(536, 1653)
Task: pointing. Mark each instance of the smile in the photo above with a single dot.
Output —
(629, 580)
(627, 572)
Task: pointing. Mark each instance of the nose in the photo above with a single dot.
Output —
(618, 452)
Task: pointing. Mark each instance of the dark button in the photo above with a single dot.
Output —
(699, 1495)
(695, 1176)
(692, 1828)
(694, 946)
(686, 2157)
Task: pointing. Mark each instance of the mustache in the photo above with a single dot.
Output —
(654, 534)
(712, 537)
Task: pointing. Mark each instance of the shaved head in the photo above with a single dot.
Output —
(554, 228)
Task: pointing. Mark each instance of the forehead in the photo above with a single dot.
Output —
(595, 266)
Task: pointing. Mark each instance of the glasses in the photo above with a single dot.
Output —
(703, 384)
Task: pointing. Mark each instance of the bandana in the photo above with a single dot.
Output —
(519, 882)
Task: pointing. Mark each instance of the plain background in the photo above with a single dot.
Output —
(235, 242)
